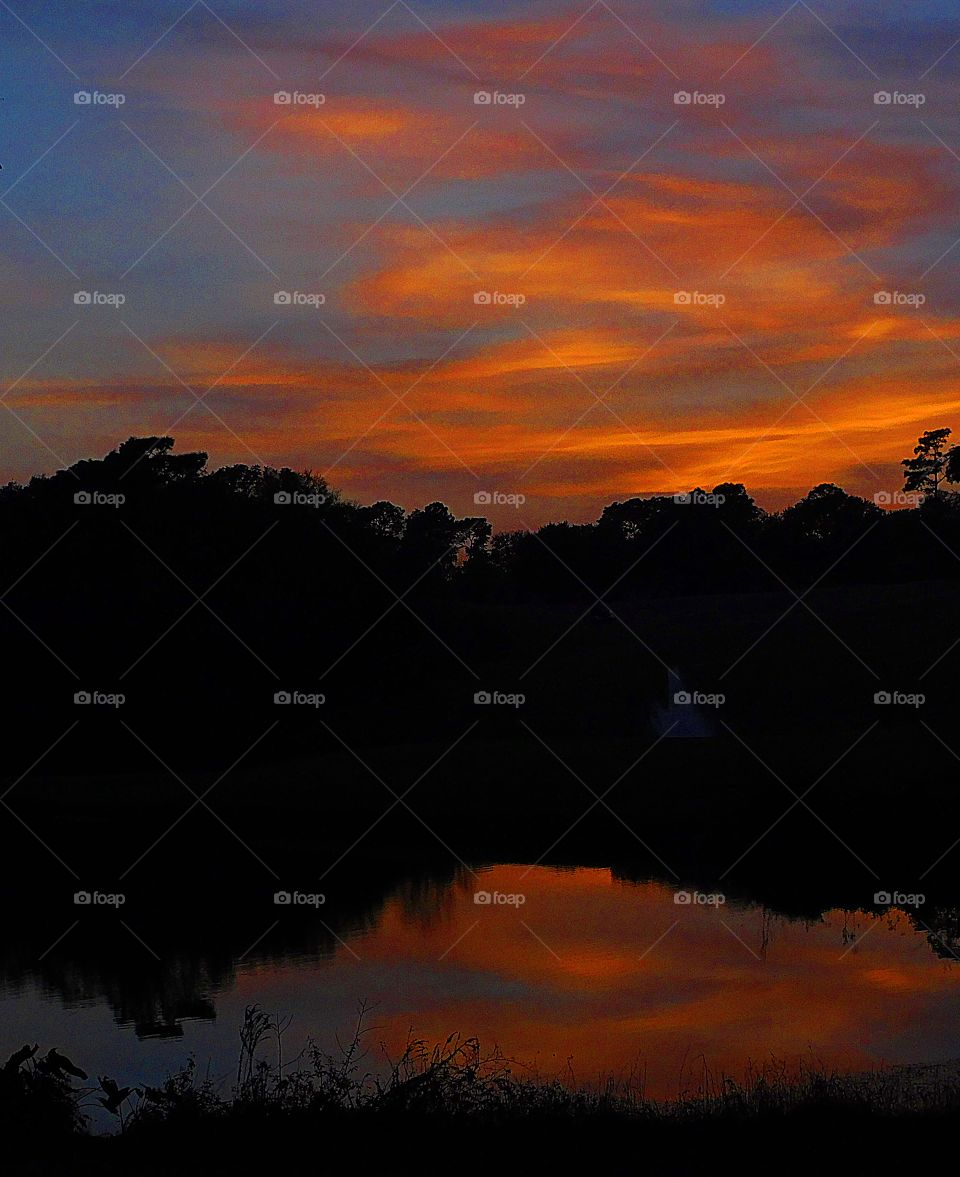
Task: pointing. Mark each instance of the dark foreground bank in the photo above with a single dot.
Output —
(452, 1106)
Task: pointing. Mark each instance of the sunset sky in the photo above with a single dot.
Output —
(783, 187)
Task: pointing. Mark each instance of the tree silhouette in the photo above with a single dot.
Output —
(933, 464)
(214, 589)
(828, 514)
(434, 541)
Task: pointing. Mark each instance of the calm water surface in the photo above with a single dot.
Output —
(590, 975)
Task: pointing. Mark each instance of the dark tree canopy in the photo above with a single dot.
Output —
(934, 463)
(146, 571)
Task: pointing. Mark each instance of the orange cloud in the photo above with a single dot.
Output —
(781, 295)
(397, 142)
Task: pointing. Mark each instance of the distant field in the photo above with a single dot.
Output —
(503, 781)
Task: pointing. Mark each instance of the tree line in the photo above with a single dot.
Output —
(199, 593)
(701, 540)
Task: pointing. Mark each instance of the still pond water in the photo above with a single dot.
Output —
(589, 975)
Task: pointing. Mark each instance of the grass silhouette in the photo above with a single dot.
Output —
(449, 1098)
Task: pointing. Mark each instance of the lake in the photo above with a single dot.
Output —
(575, 973)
